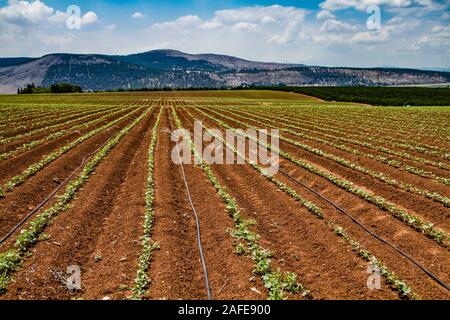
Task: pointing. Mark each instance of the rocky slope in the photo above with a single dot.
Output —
(170, 68)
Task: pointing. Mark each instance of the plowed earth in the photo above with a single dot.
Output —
(101, 230)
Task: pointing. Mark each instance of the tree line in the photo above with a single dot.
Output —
(55, 88)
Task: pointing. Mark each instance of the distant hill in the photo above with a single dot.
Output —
(170, 68)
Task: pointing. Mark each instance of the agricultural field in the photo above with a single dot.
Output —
(88, 181)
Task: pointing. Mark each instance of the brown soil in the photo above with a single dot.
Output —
(33, 190)
(101, 230)
(176, 271)
(431, 255)
(418, 205)
(301, 242)
(103, 225)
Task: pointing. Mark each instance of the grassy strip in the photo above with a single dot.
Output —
(416, 223)
(383, 177)
(142, 280)
(277, 282)
(32, 144)
(396, 283)
(34, 168)
(12, 259)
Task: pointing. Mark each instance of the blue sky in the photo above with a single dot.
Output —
(410, 33)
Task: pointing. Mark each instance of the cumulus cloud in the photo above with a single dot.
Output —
(180, 23)
(370, 37)
(266, 33)
(89, 18)
(325, 14)
(20, 12)
(362, 5)
(138, 15)
(333, 25)
(281, 25)
(439, 35)
(25, 13)
(245, 26)
(110, 27)
(211, 25)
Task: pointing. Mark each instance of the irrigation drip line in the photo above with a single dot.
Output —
(404, 254)
(197, 222)
(48, 198)
(399, 251)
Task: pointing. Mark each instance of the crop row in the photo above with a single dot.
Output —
(16, 117)
(12, 259)
(368, 145)
(148, 245)
(29, 112)
(46, 160)
(247, 241)
(291, 123)
(416, 223)
(53, 124)
(425, 122)
(369, 135)
(37, 123)
(355, 166)
(338, 116)
(32, 144)
(386, 160)
(331, 121)
(395, 282)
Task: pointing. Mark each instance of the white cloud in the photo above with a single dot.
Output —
(211, 25)
(370, 37)
(245, 26)
(180, 23)
(437, 37)
(19, 12)
(89, 18)
(24, 13)
(337, 26)
(110, 27)
(279, 24)
(325, 14)
(268, 19)
(272, 33)
(362, 5)
(138, 15)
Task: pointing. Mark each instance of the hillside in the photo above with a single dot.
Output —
(170, 68)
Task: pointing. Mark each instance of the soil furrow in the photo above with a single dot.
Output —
(176, 271)
(430, 255)
(75, 235)
(27, 195)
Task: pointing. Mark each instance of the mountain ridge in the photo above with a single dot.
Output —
(176, 69)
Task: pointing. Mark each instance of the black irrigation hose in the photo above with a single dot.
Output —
(197, 222)
(412, 260)
(47, 199)
(6, 237)
(429, 273)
